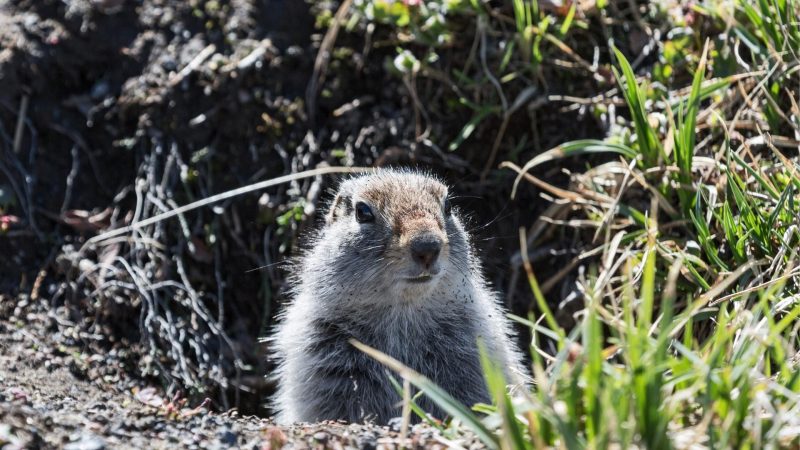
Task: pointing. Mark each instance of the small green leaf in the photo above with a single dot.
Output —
(469, 128)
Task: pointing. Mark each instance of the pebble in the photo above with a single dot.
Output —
(367, 441)
(227, 437)
(87, 441)
(321, 437)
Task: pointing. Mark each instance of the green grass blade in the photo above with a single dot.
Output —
(469, 128)
(513, 437)
(649, 145)
(445, 401)
(592, 373)
(685, 137)
(414, 406)
(788, 192)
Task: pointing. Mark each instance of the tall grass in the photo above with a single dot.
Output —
(688, 334)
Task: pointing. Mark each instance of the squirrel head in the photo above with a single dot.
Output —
(397, 231)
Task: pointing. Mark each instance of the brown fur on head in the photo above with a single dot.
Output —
(400, 217)
(412, 203)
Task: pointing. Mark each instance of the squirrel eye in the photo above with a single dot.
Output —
(364, 213)
(447, 207)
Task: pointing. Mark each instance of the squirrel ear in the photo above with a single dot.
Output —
(339, 208)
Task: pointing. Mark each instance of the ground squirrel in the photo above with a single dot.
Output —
(393, 268)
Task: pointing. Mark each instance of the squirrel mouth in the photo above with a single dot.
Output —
(424, 278)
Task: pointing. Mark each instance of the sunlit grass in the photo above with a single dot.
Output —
(688, 332)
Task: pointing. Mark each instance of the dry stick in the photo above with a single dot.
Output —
(193, 64)
(613, 208)
(755, 92)
(495, 147)
(554, 211)
(73, 173)
(419, 109)
(406, 414)
(558, 192)
(253, 57)
(755, 288)
(601, 99)
(706, 299)
(23, 112)
(522, 99)
(482, 29)
(224, 196)
(506, 113)
(323, 56)
(28, 207)
(551, 282)
(451, 444)
(662, 201)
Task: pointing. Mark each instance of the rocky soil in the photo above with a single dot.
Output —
(58, 396)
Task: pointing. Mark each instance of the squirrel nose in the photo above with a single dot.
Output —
(425, 249)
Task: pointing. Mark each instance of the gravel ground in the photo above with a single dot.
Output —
(55, 396)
